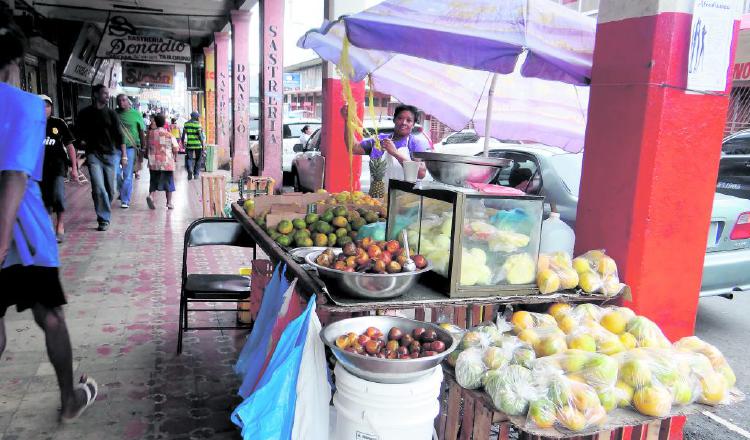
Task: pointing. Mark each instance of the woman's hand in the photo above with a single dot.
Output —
(389, 146)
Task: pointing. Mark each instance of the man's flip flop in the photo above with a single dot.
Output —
(91, 389)
(150, 202)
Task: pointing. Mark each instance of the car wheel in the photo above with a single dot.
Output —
(295, 181)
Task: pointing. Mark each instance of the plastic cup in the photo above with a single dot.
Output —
(411, 170)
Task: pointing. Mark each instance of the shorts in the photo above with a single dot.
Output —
(24, 286)
(53, 193)
(161, 181)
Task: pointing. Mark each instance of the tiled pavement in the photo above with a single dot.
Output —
(122, 288)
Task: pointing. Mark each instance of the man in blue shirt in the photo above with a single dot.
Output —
(28, 250)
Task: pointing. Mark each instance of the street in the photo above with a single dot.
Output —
(726, 325)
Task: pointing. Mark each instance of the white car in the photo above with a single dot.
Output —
(468, 143)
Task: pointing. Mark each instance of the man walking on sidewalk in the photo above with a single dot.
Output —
(29, 261)
(98, 129)
(132, 132)
(192, 138)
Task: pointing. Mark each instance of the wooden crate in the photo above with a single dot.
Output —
(213, 195)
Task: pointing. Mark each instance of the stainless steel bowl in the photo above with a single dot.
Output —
(456, 170)
(366, 285)
(385, 370)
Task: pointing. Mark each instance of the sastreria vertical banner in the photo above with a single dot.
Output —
(223, 91)
(271, 90)
(208, 53)
(240, 97)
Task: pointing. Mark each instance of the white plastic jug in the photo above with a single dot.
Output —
(362, 407)
(556, 236)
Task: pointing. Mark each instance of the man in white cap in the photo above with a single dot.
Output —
(59, 155)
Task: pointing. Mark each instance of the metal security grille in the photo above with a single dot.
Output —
(738, 115)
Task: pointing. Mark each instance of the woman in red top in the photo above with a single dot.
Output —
(162, 152)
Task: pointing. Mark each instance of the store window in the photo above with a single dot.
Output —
(30, 74)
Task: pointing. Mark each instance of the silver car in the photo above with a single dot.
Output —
(556, 174)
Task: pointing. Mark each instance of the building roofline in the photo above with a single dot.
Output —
(303, 65)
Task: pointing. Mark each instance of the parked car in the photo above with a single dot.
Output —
(556, 175)
(308, 166)
(291, 131)
(734, 167)
(468, 143)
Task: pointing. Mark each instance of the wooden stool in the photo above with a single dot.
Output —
(213, 187)
(257, 186)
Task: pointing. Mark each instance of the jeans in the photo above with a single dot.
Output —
(102, 172)
(125, 175)
(194, 158)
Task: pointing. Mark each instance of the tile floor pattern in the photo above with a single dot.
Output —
(123, 290)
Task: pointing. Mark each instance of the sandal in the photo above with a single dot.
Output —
(150, 202)
(170, 206)
(91, 389)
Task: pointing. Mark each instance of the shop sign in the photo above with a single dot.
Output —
(291, 81)
(159, 76)
(121, 41)
(710, 45)
(210, 113)
(82, 65)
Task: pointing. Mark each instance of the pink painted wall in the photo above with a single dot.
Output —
(240, 95)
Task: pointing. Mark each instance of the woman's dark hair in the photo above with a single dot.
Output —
(406, 108)
(305, 128)
(159, 120)
(12, 39)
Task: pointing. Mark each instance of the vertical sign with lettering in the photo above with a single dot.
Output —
(271, 90)
(210, 126)
(240, 96)
(223, 91)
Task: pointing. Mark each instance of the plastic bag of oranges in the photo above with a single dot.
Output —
(646, 333)
(563, 401)
(555, 272)
(592, 337)
(717, 359)
(597, 273)
(511, 388)
(522, 320)
(570, 318)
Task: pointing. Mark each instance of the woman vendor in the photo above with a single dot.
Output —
(398, 147)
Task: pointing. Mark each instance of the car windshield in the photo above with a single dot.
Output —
(568, 167)
(295, 130)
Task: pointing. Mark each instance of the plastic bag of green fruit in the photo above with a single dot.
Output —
(511, 388)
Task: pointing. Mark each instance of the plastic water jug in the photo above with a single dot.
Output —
(556, 236)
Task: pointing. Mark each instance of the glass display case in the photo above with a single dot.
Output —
(478, 244)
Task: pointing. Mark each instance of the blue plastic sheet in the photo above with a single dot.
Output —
(268, 413)
(253, 354)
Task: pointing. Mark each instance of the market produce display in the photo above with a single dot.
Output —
(397, 345)
(567, 369)
(592, 272)
(354, 197)
(336, 226)
(369, 256)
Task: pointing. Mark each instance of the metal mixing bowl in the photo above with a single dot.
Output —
(456, 170)
(385, 370)
(366, 285)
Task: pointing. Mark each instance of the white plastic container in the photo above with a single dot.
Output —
(556, 236)
(379, 411)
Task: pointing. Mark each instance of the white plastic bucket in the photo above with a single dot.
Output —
(380, 411)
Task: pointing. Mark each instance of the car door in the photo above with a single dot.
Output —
(310, 165)
(734, 167)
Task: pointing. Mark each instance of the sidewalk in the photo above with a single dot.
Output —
(123, 290)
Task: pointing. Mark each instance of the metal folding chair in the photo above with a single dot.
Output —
(206, 288)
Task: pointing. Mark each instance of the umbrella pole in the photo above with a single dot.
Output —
(488, 118)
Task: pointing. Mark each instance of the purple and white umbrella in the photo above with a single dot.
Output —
(549, 112)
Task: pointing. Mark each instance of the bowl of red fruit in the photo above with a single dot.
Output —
(368, 269)
(388, 349)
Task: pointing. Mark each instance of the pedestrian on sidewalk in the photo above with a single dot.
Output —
(28, 253)
(59, 155)
(133, 133)
(162, 154)
(192, 138)
(98, 128)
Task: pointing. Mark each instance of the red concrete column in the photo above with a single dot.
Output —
(210, 113)
(271, 88)
(240, 97)
(223, 90)
(651, 158)
(337, 167)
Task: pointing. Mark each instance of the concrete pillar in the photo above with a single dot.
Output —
(240, 95)
(337, 166)
(223, 90)
(210, 112)
(271, 88)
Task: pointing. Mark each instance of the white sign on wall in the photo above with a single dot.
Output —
(710, 45)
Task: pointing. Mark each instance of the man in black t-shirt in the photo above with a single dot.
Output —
(98, 128)
(59, 154)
